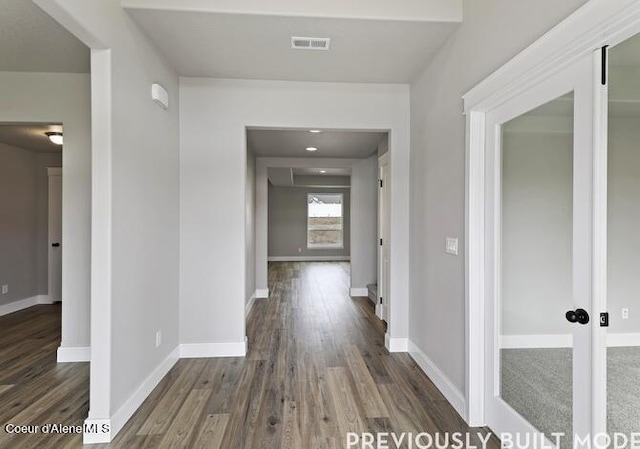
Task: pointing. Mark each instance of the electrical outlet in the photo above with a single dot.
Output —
(158, 338)
(5, 289)
(625, 313)
(451, 246)
(299, 250)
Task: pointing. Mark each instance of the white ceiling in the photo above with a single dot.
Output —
(251, 46)
(31, 41)
(30, 137)
(330, 144)
(322, 171)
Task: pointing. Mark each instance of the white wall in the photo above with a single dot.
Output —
(364, 222)
(135, 207)
(214, 114)
(24, 221)
(493, 31)
(63, 98)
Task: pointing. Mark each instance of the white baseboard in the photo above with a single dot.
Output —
(623, 340)
(74, 354)
(359, 292)
(441, 381)
(44, 299)
(309, 259)
(126, 411)
(97, 431)
(249, 305)
(262, 293)
(16, 306)
(396, 344)
(536, 341)
(208, 350)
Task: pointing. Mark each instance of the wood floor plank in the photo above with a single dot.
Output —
(367, 391)
(212, 432)
(348, 416)
(182, 428)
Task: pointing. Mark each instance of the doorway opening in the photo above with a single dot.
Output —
(312, 196)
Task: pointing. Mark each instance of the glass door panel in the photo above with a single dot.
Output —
(536, 351)
(623, 240)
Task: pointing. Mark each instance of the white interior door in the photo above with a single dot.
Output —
(55, 234)
(539, 261)
(384, 222)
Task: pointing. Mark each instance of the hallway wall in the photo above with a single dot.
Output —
(288, 223)
(24, 221)
(212, 262)
(493, 31)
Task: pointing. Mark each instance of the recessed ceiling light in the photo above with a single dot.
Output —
(323, 171)
(315, 131)
(55, 138)
(312, 149)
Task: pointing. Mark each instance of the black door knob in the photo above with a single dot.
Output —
(55, 245)
(578, 316)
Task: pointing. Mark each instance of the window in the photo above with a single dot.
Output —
(324, 220)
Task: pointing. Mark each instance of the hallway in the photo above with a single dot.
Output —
(316, 369)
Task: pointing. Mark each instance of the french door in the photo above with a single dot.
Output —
(539, 257)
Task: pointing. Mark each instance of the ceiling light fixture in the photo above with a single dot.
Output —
(55, 137)
(323, 171)
(315, 131)
(312, 149)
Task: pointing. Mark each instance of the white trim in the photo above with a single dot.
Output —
(474, 264)
(309, 258)
(597, 23)
(623, 340)
(441, 381)
(262, 293)
(21, 304)
(74, 354)
(124, 413)
(249, 305)
(536, 341)
(99, 437)
(208, 350)
(396, 344)
(359, 292)
(16, 306)
(44, 299)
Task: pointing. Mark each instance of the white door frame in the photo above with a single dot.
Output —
(53, 172)
(595, 25)
(384, 237)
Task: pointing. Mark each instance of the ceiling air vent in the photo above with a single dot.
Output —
(310, 43)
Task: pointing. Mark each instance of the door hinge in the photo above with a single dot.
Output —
(380, 242)
(380, 180)
(604, 319)
(604, 68)
(381, 300)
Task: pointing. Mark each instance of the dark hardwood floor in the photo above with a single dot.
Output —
(316, 369)
(34, 389)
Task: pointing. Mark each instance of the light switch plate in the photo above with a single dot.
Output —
(452, 246)
(5, 289)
